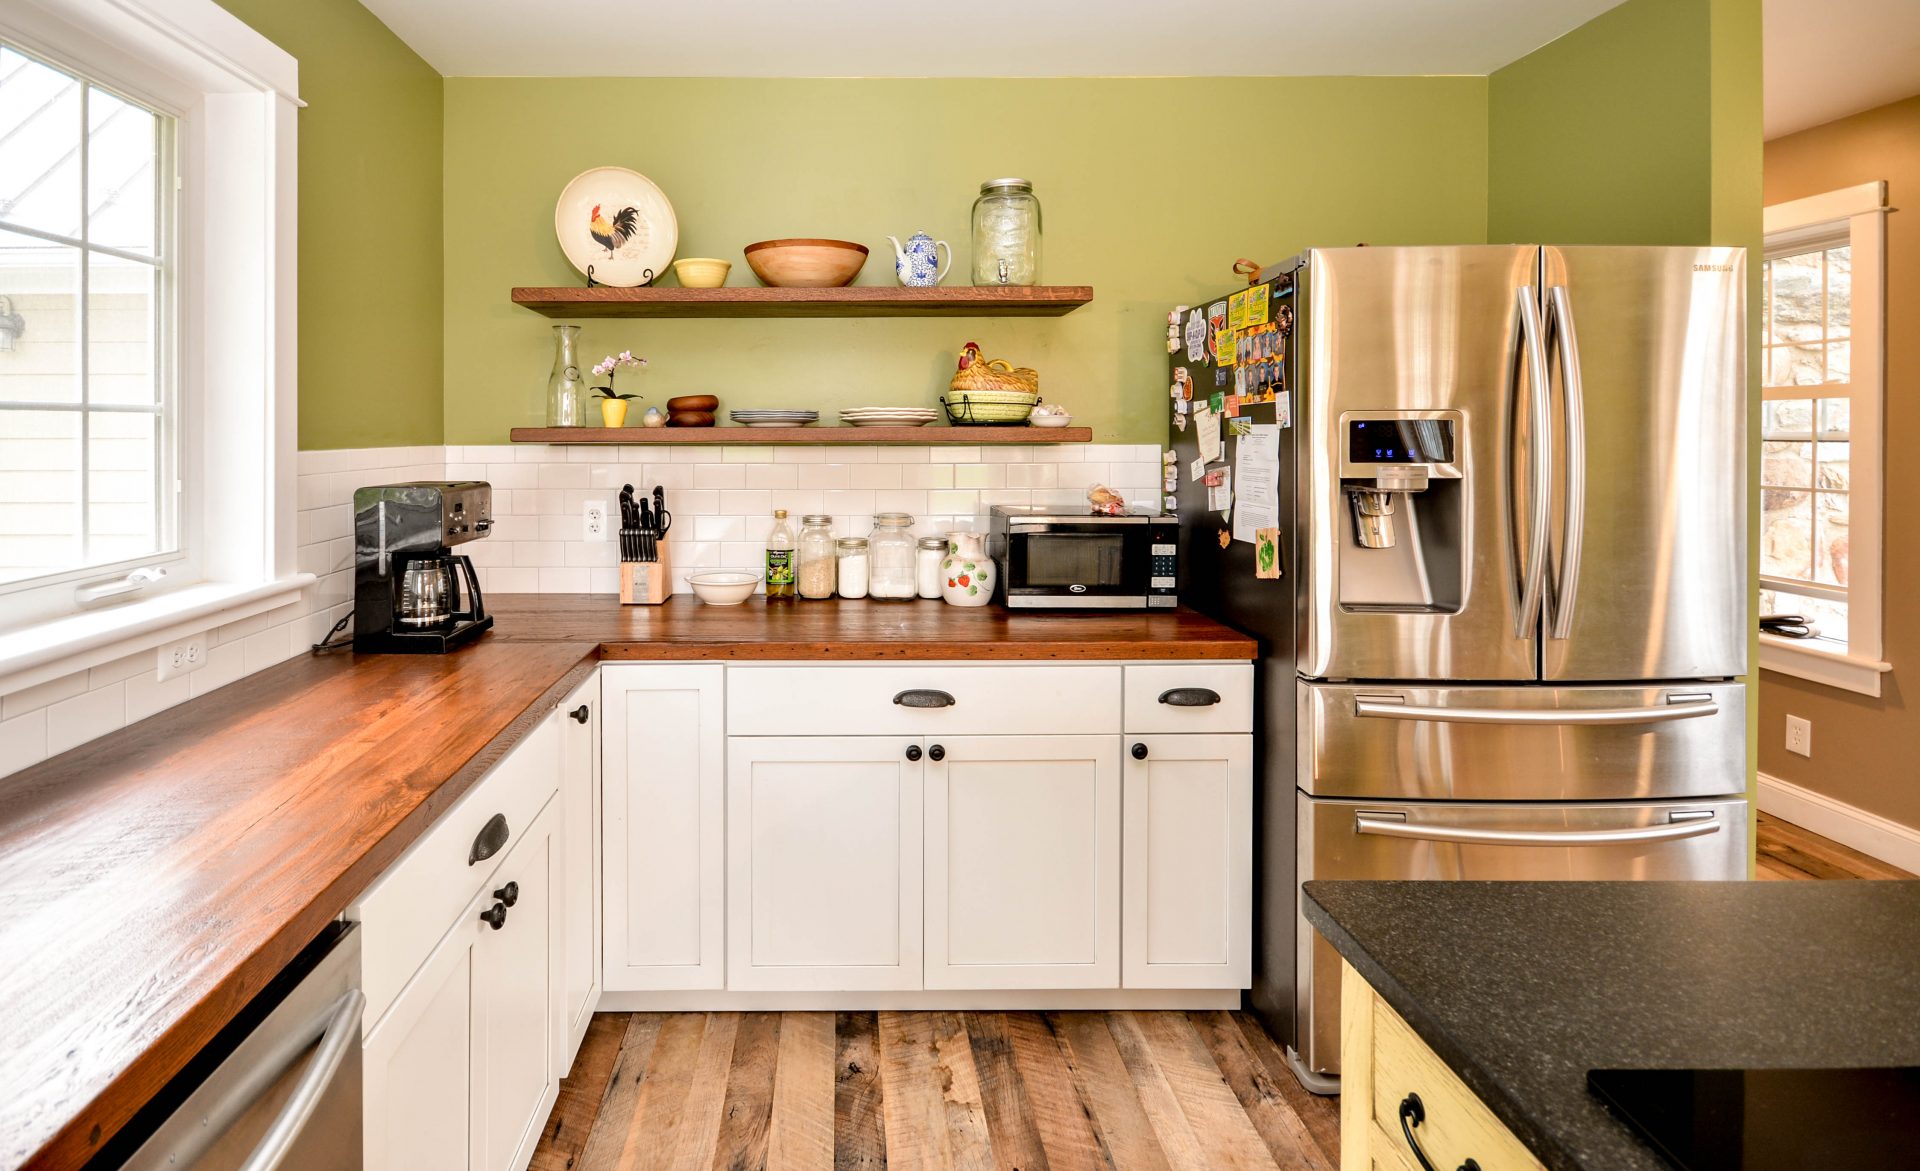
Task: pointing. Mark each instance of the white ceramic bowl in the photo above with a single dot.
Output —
(1049, 420)
(724, 587)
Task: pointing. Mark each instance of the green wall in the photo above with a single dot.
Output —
(370, 262)
(1605, 135)
(1150, 187)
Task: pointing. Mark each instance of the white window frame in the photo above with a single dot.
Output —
(1859, 214)
(234, 94)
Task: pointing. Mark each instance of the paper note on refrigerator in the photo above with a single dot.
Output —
(1220, 494)
(1256, 481)
(1208, 422)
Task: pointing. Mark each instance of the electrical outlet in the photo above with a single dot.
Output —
(178, 658)
(1800, 735)
(593, 521)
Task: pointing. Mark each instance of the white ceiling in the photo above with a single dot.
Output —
(976, 38)
(1830, 58)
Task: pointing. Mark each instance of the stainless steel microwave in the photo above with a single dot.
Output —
(1052, 558)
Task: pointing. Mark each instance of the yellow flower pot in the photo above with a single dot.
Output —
(613, 412)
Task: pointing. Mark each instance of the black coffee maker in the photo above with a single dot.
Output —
(407, 584)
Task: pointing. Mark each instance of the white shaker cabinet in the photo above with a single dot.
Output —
(1188, 842)
(580, 857)
(1023, 862)
(823, 863)
(664, 806)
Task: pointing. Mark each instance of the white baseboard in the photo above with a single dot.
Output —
(979, 1000)
(1869, 833)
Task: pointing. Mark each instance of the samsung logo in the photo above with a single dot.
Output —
(1076, 589)
(1713, 268)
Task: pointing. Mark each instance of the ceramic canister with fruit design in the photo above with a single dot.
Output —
(968, 573)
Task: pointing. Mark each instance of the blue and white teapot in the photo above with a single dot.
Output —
(917, 262)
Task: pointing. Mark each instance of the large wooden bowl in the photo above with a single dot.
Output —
(806, 264)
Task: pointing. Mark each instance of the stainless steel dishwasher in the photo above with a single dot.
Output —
(280, 1086)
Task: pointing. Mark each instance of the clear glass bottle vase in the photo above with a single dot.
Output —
(566, 386)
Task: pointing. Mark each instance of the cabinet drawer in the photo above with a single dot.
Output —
(409, 908)
(1165, 698)
(862, 700)
(1454, 1126)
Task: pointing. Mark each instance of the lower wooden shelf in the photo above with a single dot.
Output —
(758, 436)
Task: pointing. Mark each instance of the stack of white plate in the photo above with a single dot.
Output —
(773, 418)
(889, 416)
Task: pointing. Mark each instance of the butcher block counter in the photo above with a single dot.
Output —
(153, 881)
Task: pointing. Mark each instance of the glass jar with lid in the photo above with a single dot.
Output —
(892, 548)
(853, 566)
(1006, 234)
(816, 556)
(927, 571)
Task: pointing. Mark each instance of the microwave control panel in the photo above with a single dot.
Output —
(1163, 565)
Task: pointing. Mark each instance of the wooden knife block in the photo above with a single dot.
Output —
(646, 583)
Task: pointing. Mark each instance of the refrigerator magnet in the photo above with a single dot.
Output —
(1266, 554)
(1237, 310)
(1255, 311)
(1197, 336)
(1225, 538)
(1223, 346)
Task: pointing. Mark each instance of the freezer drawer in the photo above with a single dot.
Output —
(1587, 841)
(1522, 743)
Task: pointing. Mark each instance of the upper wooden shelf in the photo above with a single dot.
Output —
(853, 301)
(757, 436)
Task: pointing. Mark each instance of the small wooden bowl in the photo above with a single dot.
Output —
(806, 264)
(690, 419)
(693, 402)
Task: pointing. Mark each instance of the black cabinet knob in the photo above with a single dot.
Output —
(936, 753)
(913, 752)
(508, 894)
(579, 715)
(495, 916)
(1139, 752)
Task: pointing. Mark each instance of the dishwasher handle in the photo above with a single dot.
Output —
(1685, 823)
(1677, 707)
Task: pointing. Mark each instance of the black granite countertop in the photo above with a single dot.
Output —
(1522, 987)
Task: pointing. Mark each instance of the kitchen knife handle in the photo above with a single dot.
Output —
(923, 697)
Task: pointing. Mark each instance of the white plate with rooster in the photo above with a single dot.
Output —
(619, 223)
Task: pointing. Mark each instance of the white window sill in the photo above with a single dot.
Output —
(1821, 661)
(55, 649)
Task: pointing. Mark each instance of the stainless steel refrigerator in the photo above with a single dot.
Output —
(1512, 601)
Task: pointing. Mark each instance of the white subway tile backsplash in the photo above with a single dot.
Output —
(926, 476)
(23, 741)
(829, 475)
(146, 695)
(719, 476)
(43, 694)
(954, 455)
(719, 528)
(772, 476)
(75, 721)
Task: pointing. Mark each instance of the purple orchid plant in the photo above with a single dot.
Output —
(610, 366)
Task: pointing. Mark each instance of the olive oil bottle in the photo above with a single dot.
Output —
(780, 558)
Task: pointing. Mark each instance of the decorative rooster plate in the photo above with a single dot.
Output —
(618, 222)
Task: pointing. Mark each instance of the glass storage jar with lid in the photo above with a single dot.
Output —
(927, 571)
(816, 556)
(1006, 234)
(854, 564)
(891, 548)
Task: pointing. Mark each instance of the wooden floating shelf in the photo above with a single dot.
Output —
(854, 301)
(761, 436)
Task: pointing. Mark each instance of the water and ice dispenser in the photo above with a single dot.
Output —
(1400, 474)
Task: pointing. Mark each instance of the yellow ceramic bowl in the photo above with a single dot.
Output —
(701, 272)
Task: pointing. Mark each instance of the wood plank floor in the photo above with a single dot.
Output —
(971, 1091)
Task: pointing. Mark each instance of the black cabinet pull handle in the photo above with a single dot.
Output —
(923, 697)
(1139, 752)
(495, 916)
(937, 752)
(508, 894)
(1190, 697)
(579, 715)
(489, 840)
(913, 752)
(1412, 1114)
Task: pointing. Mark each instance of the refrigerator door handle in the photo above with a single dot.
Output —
(1685, 823)
(1677, 707)
(1561, 597)
(1539, 471)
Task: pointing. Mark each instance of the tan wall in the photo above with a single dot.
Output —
(1866, 751)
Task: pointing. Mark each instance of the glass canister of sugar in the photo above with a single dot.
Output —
(931, 552)
(853, 564)
(893, 550)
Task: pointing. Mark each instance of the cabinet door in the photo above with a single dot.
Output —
(518, 1025)
(579, 719)
(1189, 862)
(663, 796)
(823, 863)
(416, 1061)
(1023, 862)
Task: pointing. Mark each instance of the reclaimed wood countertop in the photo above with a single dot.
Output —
(154, 880)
